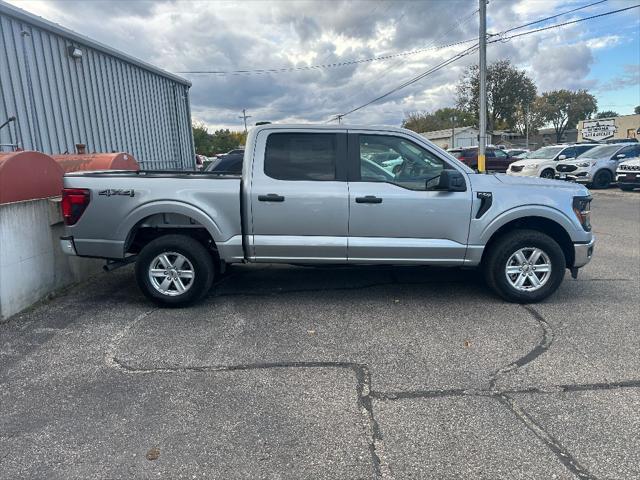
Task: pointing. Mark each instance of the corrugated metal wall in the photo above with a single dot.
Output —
(100, 100)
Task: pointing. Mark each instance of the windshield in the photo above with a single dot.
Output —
(600, 151)
(545, 152)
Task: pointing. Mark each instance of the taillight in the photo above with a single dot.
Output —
(74, 203)
(582, 209)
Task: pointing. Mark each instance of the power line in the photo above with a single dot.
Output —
(553, 16)
(472, 49)
(399, 62)
(326, 65)
(426, 73)
(558, 25)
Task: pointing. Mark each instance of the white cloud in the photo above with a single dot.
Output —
(223, 35)
(604, 42)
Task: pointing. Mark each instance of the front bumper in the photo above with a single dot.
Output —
(579, 176)
(583, 253)
(67, 245)
(626, 177)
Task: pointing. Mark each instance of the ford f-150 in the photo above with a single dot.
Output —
(314, 194)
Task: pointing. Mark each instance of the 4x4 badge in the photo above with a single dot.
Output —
(111, 192)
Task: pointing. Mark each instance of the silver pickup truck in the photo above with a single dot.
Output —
(321, 194)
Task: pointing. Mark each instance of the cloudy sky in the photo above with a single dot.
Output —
(601, 55)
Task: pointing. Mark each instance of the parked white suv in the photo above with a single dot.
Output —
(542, 162)
(597, 167)
(628, 174)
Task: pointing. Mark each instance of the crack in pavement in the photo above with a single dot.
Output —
(365, 393)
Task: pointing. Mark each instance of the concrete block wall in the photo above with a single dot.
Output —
(32, 264)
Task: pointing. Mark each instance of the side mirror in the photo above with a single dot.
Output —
(562, 157)
(620, 155)
(449, 181)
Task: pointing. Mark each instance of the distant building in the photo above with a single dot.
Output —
(459, 137)
(602, 129)
(66, 89)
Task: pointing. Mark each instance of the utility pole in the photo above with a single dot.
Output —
(526, 126)
(453, 131)
(244, 116)
(482, 42)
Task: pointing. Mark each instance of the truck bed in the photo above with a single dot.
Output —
(123, 201)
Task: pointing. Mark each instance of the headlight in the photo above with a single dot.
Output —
(582, 209)
(583, 164)
(531, 166)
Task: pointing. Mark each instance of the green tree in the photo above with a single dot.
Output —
(637, 110)
(562, 108)
(607, 114)
(441, 119)
(528, 116)
(508, 91)
(202, 139)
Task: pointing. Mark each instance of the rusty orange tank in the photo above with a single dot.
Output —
(97, 161)
(26, 175)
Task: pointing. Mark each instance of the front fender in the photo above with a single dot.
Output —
(575, 231)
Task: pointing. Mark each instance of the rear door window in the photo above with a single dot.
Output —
(301, 156)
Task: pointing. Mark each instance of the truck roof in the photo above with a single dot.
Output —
(327, 126)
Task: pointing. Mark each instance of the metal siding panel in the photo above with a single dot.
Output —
(115, 107)
(88, 106)
(94, 100)
(65, 92)
(17, 92)
(135, 112)
(64, 133)
(143, 114)
(110, 117)
(102, 100)
(124, 107)
(52, 107)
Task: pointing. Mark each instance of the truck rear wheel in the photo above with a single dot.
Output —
(174, 270)
(524, 266)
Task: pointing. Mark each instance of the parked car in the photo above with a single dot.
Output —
(597, 167)
(496, 160)
(542, 162)
(628, 174)
(516, 152)
(228, 163)
(305, 198)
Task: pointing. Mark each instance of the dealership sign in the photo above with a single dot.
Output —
(598, 129)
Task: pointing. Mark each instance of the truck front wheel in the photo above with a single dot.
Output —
(524, 266)
(174, 270)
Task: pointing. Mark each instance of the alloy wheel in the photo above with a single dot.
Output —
(171, 273)
(528, 269)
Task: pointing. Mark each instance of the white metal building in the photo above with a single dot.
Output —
(459, 137)
(65, 89)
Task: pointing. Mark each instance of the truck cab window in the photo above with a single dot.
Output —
(396, 160)
(301, 156)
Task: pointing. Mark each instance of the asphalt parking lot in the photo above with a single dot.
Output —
(297, 372)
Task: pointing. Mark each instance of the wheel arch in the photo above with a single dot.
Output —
(151, 221)
(542, 224)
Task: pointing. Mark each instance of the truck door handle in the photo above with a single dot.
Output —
(272, 197)
(368, 199)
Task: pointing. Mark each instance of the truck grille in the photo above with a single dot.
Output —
(566, 168)
(517, 168)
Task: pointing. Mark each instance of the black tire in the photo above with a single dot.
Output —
(548, 173)
(495, 264)
(201, 265)
(602, 179)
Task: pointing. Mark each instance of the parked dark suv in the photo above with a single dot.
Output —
(496, 160)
